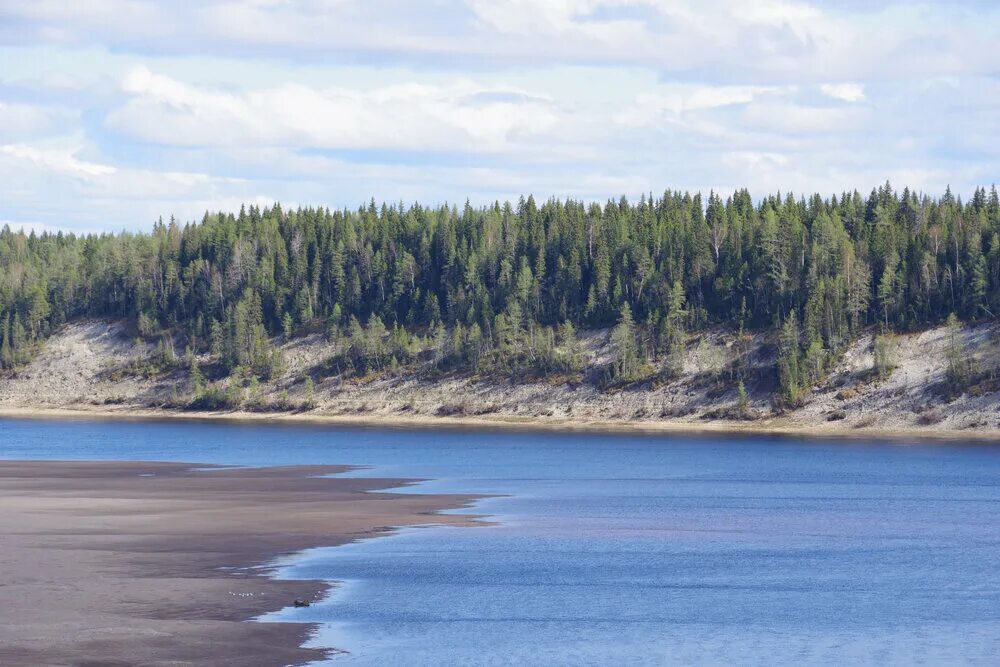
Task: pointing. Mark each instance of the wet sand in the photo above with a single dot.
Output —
(131, 563)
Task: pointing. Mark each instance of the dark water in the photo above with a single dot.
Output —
(633, 550)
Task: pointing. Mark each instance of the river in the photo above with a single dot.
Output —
(613, 549)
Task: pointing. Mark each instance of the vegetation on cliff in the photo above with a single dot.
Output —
(504, 288)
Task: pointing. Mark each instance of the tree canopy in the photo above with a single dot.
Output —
(507, 270)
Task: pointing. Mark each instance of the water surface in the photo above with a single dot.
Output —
(632, 550)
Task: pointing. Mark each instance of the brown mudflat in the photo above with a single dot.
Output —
(154, 564)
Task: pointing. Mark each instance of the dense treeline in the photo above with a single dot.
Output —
(506, 273)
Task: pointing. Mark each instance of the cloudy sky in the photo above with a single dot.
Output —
(114, 112)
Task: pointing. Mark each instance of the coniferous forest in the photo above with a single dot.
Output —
(507, 286)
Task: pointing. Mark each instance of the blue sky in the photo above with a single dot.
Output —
(114, 112)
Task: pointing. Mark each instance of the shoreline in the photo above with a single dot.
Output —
(510, 424)
(129, 562)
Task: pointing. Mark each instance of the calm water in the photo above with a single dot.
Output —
(633, 550)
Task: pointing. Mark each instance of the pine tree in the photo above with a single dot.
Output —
(626, 357)
(789, 378)
(195, 376)
(960, 369)
(742, 403)
(309, 391)
(673, 330)
(6, 352)
(884, 351)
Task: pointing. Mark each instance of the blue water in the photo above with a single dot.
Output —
(610, 550)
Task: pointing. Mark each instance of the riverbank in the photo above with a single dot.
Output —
(128, 563)
(771, 427)
(93, 368)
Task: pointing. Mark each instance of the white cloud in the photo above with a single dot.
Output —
(462, 116)
(754, 41)
(49, 186)
(63, 161)
(114, 112)
(845, 92)
(790, 119)
(755, 159)
(805, 20)
(21, 122)
(676, 101)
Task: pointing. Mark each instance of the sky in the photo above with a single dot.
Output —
(116, 112)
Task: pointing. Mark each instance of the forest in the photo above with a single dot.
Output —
(506, 287)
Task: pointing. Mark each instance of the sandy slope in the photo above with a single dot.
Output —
(73, 371)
